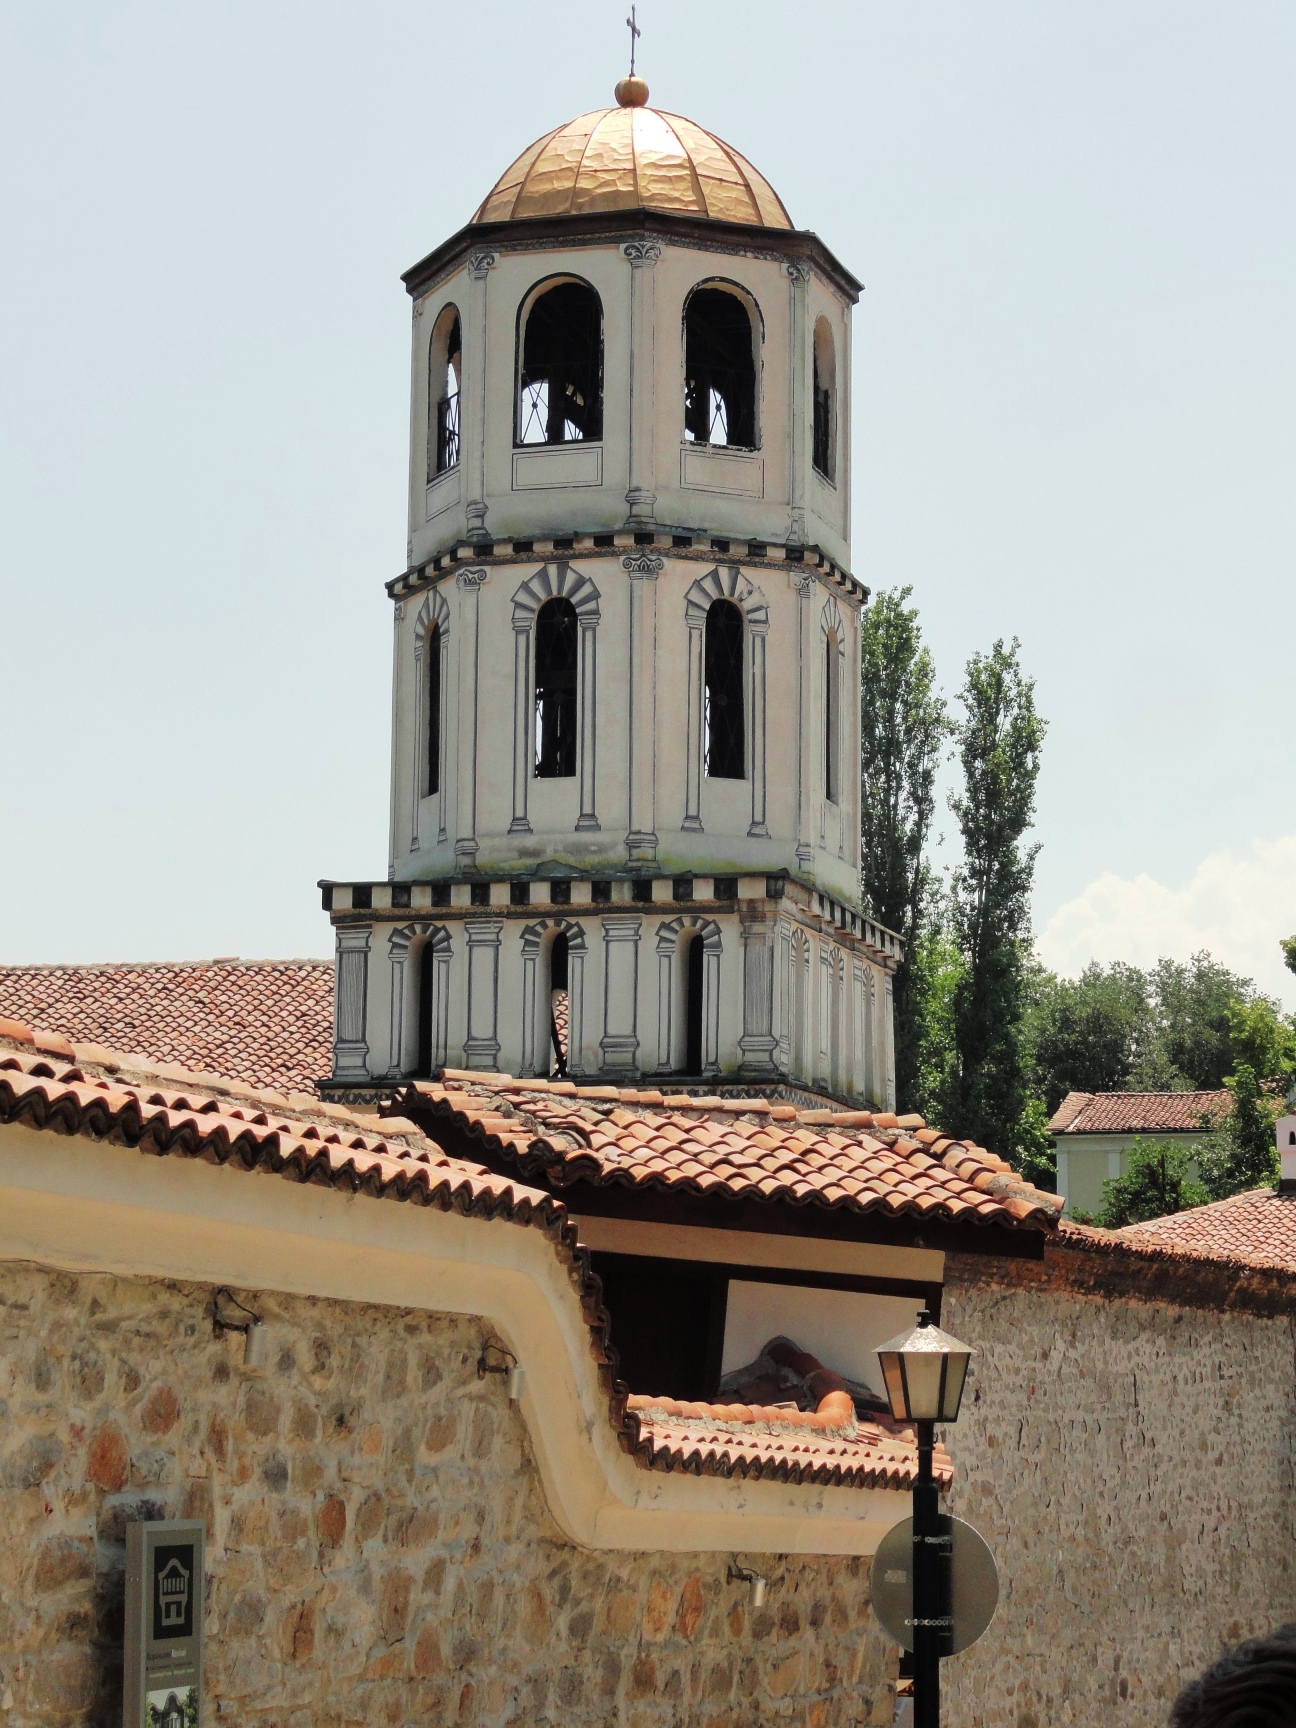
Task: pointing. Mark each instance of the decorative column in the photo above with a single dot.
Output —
(799, 406)
(758, 1040)
(523, 723)
(481, 1046)
(758, 631)
(620, 1040)
(643, 569)
(350, 1048)
(805, 585)
(693, 760)
(888, 1042)
(470, 582)
(667, 956)
(642, 256)
(587, 687)
(473, 425)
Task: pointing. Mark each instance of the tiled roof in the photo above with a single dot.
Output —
(47, 1083)
(856, 1160)
(268, 1022)
(829, 1437)
(1254, 1229)
(1137, 1112)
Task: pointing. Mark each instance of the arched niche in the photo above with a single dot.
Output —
(554, 582)
(538, 943)
(420, 955)
(430, 770)
(824, 401)
(726, 583)
(445, 373)
(689, 949)
(722, 344)
(559, 363)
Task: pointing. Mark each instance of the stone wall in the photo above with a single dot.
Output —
(379, 1548)
(1130, 1464)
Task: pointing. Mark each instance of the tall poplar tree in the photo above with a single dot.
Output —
(903, 725)
(999, 743)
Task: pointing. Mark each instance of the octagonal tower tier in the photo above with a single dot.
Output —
(627, 642)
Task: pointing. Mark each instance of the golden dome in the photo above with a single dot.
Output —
(633, 157)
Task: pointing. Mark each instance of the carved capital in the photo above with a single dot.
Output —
(642, 564)
(641, 252)
(480, 262)
(805, 583)
(799, 272)
(471, 578)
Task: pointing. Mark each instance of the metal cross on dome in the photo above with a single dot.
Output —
(635, 33)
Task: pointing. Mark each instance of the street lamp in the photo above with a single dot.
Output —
(924, 1371)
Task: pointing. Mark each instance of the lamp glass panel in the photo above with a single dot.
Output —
(954, 1379)
(895, 1387)
(923, 1373)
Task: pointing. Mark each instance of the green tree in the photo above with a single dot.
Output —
(999, 743)
(1190, 1049)
(936, 968)
(1242, 1152)
(1087, 1034)
(1261, 1038)
(903, 727)
(1288, 945)
(1158, 1180)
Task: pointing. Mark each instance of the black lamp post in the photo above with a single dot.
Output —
(924, 1370)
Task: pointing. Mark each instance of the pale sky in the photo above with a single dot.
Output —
(1075, 397)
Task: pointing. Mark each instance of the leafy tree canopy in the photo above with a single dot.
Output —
(1288, 946)
(1158, 1180)
(1261, 1038)
(1088, 1034)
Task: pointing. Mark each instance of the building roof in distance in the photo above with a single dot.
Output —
(266, 1022)
(1138, 1112)
(1253, 1229)
(633, 157)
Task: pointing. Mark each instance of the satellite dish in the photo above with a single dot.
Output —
(973, 1585)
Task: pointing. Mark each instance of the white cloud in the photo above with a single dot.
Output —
(1238, 905)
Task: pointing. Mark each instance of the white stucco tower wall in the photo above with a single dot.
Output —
(654, 463)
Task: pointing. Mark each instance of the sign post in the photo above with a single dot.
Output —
(162, 1679)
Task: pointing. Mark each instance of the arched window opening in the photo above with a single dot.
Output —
(1291, 1136)
(724, 745)
(832, 718)
(825, 405)
(694, 959)
(719, 370)
(445, 357)
(560, 382)
(559, 1010)
(556, 649)
(426, 1010)
(432, 656)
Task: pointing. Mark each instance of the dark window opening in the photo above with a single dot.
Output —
(559, 1016)
(832, 735)
(444, 368)
(693, 960)
(719, 370)
(556, 632)
(432, 655)
(426, 1010)
(519, 893)
(440, 893)
(824, 380)
(560, 386)
(641, 891)
(479, 893)
(560, 893)
(726, 888)
(601, 892)
(723, 742)
(667, 1324)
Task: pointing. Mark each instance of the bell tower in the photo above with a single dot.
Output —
(624, 834)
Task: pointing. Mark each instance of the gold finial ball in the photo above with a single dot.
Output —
(631, 92)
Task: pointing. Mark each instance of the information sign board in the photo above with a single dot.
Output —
(162, 1677)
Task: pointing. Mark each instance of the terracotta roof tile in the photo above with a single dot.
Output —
(267, 1022)
(1253, 1229)
(859, 1160)
(1137, 1112)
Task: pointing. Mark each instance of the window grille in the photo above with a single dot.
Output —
(556, 650)
(724, 744)
(719, 370)
(447, 433)
(560, 383)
